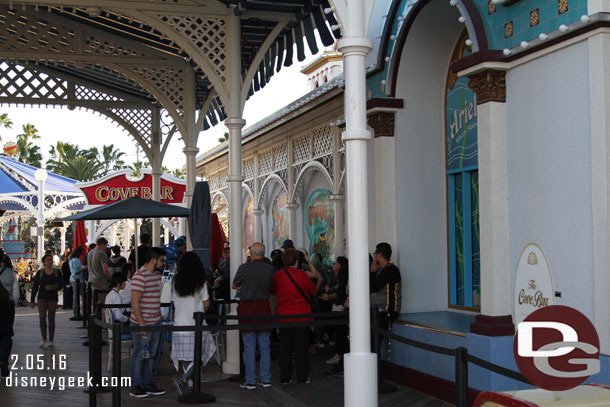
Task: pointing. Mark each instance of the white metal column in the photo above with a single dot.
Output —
(360, 366)
(235, 178)
(156, 174)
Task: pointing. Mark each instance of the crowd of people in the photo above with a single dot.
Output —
(288, 283)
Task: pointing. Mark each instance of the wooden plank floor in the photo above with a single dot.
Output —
(321, 392)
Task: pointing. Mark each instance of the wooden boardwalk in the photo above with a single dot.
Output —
(321, 392)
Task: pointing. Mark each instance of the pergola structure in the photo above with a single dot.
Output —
(158, 67)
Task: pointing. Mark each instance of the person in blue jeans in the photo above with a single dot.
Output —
(146, 312)
(253, 280)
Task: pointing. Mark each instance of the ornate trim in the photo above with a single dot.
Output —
(382, 123)
(489, 85)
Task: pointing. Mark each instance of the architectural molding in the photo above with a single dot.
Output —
(489, 85)
(382, 123)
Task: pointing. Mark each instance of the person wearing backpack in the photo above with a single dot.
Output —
(47, 282)
(9, 295)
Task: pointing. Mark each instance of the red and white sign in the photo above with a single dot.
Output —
(118, 186)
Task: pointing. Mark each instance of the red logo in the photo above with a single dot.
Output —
(556, 348)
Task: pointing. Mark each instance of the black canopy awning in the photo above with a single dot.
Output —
(130, 208)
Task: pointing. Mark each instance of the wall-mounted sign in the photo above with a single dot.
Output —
(118, 186)
(533, 283)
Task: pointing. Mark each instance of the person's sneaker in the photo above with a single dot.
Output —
(42, 343)
(48, 344)
(154, 390)
(76, 318)
(334, 360)
(286, 383)
(180, 385)
(248, 386)
(306, 381)
(337, 371)
(265, 385)
(138, 392)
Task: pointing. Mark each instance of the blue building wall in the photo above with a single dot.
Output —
(497, 350)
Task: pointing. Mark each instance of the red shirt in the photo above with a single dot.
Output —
(289, 300)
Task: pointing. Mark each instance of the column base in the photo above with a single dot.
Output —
(360, 379)
(488, 325)
(231, 368)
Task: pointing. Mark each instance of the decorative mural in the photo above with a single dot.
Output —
(279, 213)
(320, 225)
(248, 237)
(463, 188)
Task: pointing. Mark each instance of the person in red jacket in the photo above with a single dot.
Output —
(294, 289)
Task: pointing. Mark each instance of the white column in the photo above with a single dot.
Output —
(156, 174)
(360, 366)
(91, 231)
(166, 235)
(292, 221)
(126, 235)
(113, 234)
(62, 231)
(338, 203)
(40, 220)
(258, 225)
(235, 178)
(599, 90)
(496, 297)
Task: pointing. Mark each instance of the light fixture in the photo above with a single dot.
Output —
(453, 3)
(543, 37)
(524, 44)
(469, 42)
(41, 174)
(462, 19)
(507, 51)
(585, 18)
(563, 28)
(387, 59)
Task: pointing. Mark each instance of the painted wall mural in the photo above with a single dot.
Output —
(279, 213)
(320, 225)
(248, 237)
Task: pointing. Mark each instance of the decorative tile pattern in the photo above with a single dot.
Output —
(508, 29)
(534, 17)
(562, 6)
(491, 7)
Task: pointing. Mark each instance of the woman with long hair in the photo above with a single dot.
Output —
(77, 280)
(189, 295)
(47, 282)
(337, 295)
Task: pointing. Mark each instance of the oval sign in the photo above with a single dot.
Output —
(533, 283)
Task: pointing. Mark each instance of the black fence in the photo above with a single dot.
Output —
(95, 326)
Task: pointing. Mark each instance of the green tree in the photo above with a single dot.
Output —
(81, 168)
(28, 153)
(178, 173)
(136, 168)
(5, 121)
(225, 137)
(30, 132)
(112, 159)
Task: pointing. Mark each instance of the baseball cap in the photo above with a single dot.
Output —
(287, 243)
(181, 241)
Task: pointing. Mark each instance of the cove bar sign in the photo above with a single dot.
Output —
(119, 185)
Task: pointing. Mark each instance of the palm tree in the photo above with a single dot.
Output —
(178, 173)
(5, 121)
(60, 154)
(136, 168)
(111, 159)
(29, 132)
(81, 168)
(28, 152)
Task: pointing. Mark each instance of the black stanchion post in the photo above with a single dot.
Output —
(461, 377)
(116, 364)
(196, 396)
(382, 386)
(86, 304)
(92, 390)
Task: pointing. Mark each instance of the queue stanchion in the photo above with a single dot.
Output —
(196, 396)
(116, 364)
(92, 349)
(98, 355)
(461, 377)
(86, 306)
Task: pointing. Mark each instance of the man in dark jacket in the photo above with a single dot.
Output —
(385, 286)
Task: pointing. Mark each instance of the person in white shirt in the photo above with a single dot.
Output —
(189, 295)
(114, 297)
(126, 290)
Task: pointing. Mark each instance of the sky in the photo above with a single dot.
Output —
(87, 129)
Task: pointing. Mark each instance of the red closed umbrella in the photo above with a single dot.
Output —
(216, 242)
(80, 237)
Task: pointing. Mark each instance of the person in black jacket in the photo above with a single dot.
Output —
(65, 271)
(385, 286)
(47, 282)
(338, 295)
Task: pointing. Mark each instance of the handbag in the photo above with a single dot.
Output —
(312, 301)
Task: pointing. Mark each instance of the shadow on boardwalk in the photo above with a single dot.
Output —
(321, 392)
